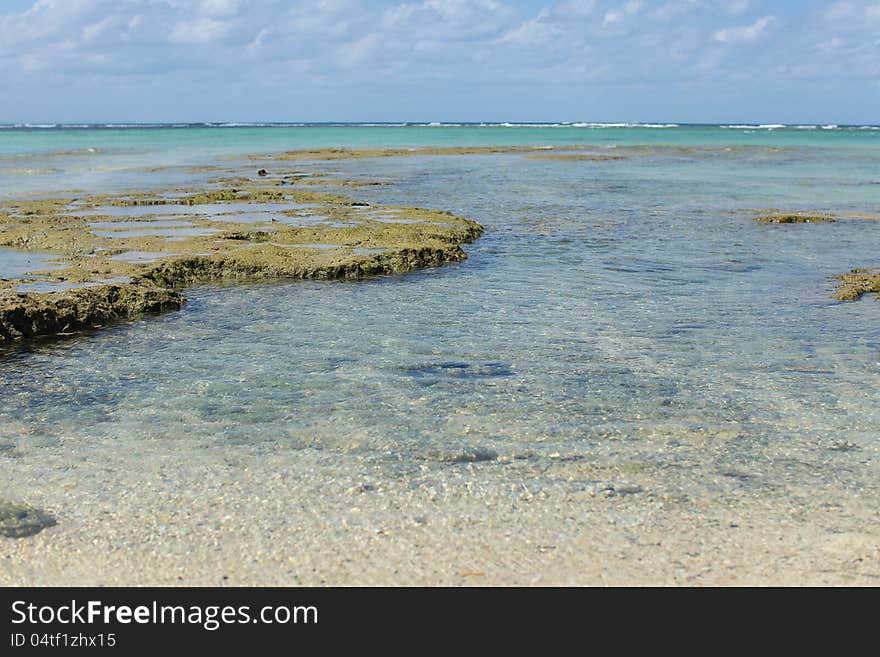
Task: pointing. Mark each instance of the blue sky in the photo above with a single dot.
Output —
(440, 60)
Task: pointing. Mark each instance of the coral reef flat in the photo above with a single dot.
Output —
(251, 231)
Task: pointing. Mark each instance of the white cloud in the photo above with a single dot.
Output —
(853, 15)
(834, 43)
(540, 31)
(735, 7)
(745, 33)
(579, 8)
(461, 11)
(482, 44)
(447, 20)
(199, 31)
(616, 16)
(353, 55)
(677, 8)
(221, 8)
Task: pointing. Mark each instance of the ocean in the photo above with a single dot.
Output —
(621, 320)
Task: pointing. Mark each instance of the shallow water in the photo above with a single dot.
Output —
(308, 220)
(17, 264)
(618, 311)
(176, 209)
(129, 225)
(51, 286)
(170, 232)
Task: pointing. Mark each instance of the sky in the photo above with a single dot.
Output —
(698, 61)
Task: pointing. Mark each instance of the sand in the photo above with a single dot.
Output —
(322, 517)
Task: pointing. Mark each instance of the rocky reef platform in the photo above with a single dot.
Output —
(100, 259)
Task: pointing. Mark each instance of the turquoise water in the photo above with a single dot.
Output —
(614, 310)
(37, 161)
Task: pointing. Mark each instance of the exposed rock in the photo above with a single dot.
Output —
(795, 218)
(32, 315)
(261, 264)
(856, 283)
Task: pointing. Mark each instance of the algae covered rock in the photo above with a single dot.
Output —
(32, 315)
(781, 217)
(856, 283)
(17, 521)
(109, 264)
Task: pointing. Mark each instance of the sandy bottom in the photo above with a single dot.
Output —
(321, 517)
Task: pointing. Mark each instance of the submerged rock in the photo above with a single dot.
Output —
(453, 370)
(362, 153)
(474, 455)
(613, 489)
(18, 521)
(620, 151)
(576, 157)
